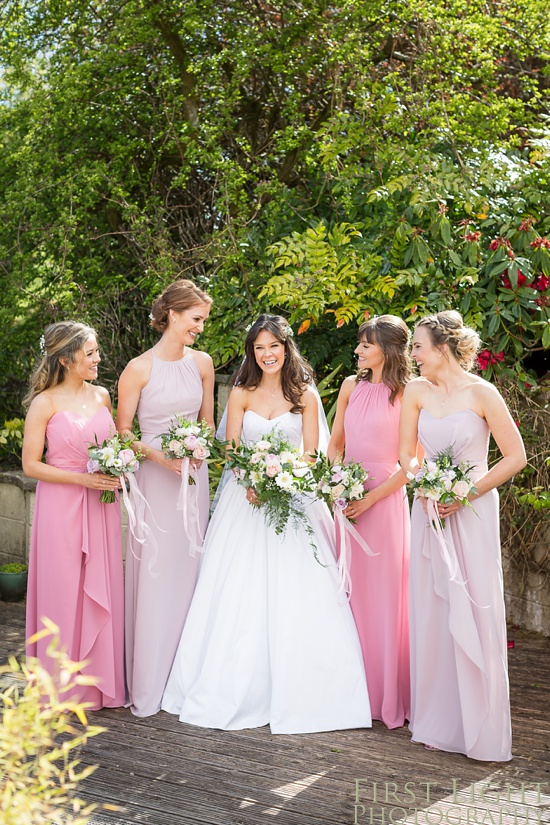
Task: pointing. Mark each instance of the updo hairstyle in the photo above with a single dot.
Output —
(62, 341)
(179, 296)
(392, 336)
(296, 372)
(448, 328)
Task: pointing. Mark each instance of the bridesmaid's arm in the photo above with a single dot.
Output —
(34, 439)
(337, 441)
(506, 435)
(310, 422)
(206, 367)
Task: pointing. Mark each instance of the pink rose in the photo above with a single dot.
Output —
(200, 453)
(126, 456)
(272, 470)
(190, 442)
(174, 446)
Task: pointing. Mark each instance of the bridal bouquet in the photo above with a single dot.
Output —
(278, 474)
(338, 483)
(114, 457)
(187, 439)
(441, 480)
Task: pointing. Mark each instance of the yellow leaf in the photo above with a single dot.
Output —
(304, 326)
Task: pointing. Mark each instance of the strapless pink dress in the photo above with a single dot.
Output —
(459, 674)
(75, 564)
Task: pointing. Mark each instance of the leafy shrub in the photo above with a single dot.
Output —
(41, 730)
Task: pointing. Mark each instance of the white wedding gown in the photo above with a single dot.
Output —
(268, 639)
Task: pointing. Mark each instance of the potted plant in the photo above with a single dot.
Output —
(13, 582)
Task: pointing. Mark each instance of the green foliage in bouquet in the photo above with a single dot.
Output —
(274, 469)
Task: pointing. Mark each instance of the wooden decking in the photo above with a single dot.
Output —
(161, 772)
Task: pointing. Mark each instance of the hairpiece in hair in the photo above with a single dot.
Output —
(42, 344)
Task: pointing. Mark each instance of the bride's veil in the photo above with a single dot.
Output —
(324, 436)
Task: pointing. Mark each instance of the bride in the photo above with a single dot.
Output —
(268, 639)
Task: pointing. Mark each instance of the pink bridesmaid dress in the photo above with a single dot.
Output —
(380, 583)
(75, 564)
(459, 671)
(160, 580)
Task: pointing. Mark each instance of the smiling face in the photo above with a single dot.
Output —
(189, 323)
(269, 352)
(86, 361)
(427, 357)
(369, 355)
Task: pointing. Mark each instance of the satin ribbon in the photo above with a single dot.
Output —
(188, 503)
(137, 525)
(448, 554)
(347, 532)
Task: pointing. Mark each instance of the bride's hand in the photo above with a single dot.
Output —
(252, 496)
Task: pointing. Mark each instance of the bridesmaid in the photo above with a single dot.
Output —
(170, 378)
(459, 677)
(366, 430)
(75, 564)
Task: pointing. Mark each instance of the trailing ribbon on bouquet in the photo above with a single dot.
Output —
(348, 531)
(188, 503)
(448, 554)
(137, 525)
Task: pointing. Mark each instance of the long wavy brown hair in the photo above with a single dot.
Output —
(296, 373)
(392, 336)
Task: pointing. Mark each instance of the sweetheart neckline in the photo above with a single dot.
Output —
(282, 415)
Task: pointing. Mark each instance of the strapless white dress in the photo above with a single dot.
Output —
(268, 639)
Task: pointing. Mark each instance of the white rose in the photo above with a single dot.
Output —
(337, 491)
(263, 445)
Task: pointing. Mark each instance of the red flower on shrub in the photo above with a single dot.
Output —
(496, 243)
(526, 225)
(472, 237)
(506, 282)
(486, 358)
(540, 283)
(538, 242)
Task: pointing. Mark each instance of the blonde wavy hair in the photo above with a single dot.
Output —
(448, 328)
(62, 340)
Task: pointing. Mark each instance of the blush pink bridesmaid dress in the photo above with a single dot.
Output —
(379, 593)
(160, 580)
(459, 670)
(75, 564)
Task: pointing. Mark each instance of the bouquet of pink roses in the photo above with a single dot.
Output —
(114, 457)
(441, 480)
(187, 439)
(339, 483)
(278, 474)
